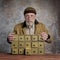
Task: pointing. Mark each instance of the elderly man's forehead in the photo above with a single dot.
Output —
(29, 14)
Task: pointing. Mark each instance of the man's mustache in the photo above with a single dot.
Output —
(30, 23)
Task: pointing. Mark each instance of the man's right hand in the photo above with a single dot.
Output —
(10, 37)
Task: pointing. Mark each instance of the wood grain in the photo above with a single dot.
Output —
(4, 56)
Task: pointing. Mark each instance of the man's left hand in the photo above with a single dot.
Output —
(44, 35)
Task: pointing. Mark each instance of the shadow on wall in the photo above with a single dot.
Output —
(59, 22)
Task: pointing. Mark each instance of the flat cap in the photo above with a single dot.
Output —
(29, 10)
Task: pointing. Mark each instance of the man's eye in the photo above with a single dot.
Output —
(26, 16)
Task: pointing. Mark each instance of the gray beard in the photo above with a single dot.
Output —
(29, 24)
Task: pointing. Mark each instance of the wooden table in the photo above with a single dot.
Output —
(5, 56)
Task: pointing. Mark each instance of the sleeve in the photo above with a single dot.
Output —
(50, 37)
(8, 41)
(14, 31)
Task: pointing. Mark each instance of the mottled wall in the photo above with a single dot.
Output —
(11, 13)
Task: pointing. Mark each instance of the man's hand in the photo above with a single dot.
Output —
(44, 35)
(10, 37)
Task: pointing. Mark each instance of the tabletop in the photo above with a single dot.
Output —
(6, 56)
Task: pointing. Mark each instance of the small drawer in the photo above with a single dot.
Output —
(21, 50)
(14, 45)
(40, 38)
(34, 51)
(41, 45)
(27, 38)
(27, 44)
(21, 38)
(15, 37)
(41, 51)
(14, 51)
(21, 44)
(35, 44)
(28, 51)
(34, 38)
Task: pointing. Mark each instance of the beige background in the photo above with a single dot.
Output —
(11, 13)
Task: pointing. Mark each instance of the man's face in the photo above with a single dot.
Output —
(30, 18)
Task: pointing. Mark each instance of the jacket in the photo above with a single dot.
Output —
(39, 28)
